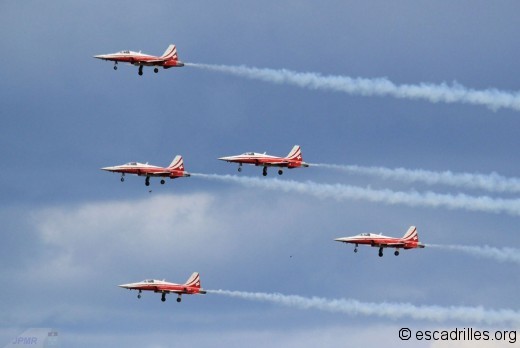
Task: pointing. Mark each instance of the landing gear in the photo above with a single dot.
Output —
(240, 169)
(156, 70)
(115, 66)
(380, 252)
(139, 294)
(163, 297)
(264, 172)
(162, 182)
(147, 181)
(355, 249)
(179, 298)
(122, 179)
(396, 253)
(140, 70)
(280, 172)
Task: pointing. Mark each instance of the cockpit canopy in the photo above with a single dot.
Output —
(150, 281)
(248, 154)
(125, 52)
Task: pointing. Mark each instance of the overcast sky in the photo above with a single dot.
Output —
(71, 232)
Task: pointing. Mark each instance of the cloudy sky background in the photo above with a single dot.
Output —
(71, 233)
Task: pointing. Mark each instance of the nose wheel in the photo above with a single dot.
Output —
(139, 294)
(239, 169)
(355, 249)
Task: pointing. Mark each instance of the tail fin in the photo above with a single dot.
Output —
(170, 53)
(411, 234)
(177, 163)
(295, 154)
(193, 281)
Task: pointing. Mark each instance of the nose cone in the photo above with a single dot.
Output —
(228, 158)
(125, 286)
(109, 169)
(343, 239)
(102, 56)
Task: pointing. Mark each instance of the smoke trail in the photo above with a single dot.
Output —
(478, 315)
(347, 192)
(456, 93)
(492, 182)
(502, 255)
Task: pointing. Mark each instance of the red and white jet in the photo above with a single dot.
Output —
(192, 286)
(173, 171)
(168, 60)
(292, 160)
(410, 240)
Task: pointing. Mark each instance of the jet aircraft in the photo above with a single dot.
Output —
(292, 160)
(410, 240)
(168, 60)
(192, 286)
(173, 171)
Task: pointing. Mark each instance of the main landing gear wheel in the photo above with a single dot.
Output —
(122, 179)
(396, 252)
(380, 252)
(147, 181)
(179, 299)
(264, 172)
(162, 182)
(156, 70)
(139, 296)
(163, 297)
(140, 70)
(239, 169)
(355, 250)
(115, 67)
(280, 172)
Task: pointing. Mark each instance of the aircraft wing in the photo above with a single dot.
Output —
(389, 245)
(276, 164)
(159, 174)
(153, 61)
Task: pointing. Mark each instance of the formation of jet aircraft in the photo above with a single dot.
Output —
(173, 171)
(191, 287)
(292, 160)
(410, 240)
(169, 59)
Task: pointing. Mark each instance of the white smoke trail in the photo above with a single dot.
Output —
(492, 182)
(478, 315)
(456, 93)
(498, 254)
(347, 192)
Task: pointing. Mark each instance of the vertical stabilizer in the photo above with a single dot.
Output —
(170, 53)
(194, 280)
